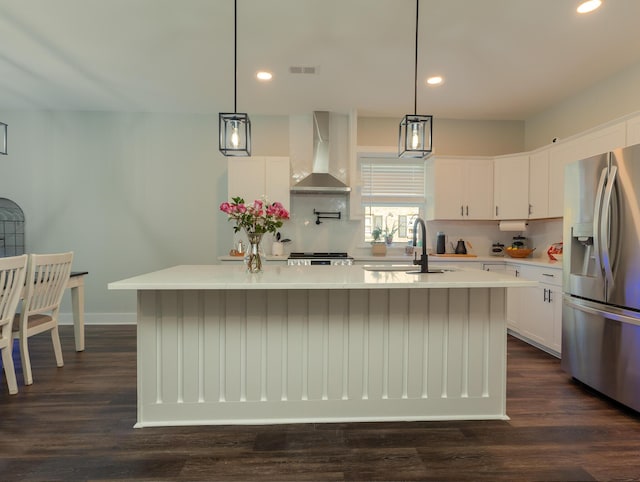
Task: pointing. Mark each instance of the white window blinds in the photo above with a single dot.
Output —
(392, 180)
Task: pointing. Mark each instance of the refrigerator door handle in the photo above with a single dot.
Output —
(597, 219)
(617, 314)
(605, 255)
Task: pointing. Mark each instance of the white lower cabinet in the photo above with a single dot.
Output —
(535, 314)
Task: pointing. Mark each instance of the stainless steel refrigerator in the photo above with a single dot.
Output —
(601, 274)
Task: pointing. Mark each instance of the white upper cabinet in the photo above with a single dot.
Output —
(601, 140)
(459, 188)
(559, 156)
(539, 184)
(255, 177)
(590, 144)
(511, 187)
(633, 131)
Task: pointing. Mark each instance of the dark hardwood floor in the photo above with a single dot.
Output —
(75, 423)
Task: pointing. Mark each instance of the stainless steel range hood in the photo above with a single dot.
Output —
(320, 181)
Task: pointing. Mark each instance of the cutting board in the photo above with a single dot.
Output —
(452, 255)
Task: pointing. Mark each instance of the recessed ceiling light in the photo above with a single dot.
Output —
(589, 6)
(263, 75)
(435, 80)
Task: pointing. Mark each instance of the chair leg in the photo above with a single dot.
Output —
(9, 370)
(57, 349)
(26, 361)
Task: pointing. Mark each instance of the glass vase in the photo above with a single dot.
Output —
(253, 258)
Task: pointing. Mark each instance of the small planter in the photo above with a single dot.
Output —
(379, 249)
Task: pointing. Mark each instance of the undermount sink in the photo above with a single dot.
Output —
(409, 269)
(392, 267)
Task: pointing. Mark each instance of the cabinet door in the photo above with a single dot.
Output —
(277, 174)
(536, 321)
(253, 178)
(511, 187)
(539, 185)
(448, 188)
(459, 188)
(555, 294)
(602, 140)
(478, 189)
(559, 157)
(246, 178)
(633, 131)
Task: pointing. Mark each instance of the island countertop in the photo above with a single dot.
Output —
(222, 277)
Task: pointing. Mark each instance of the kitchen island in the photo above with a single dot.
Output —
(217, 345)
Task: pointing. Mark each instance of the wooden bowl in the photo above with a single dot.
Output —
(519, 253)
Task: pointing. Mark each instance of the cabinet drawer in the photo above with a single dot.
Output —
(552, 276)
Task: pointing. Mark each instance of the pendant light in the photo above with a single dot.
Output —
(235, 128)
(3, 138)
(414, 138)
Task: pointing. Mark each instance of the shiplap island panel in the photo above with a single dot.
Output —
(217, 345)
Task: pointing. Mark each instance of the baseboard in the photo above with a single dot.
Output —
(101, 318)
(533, 343)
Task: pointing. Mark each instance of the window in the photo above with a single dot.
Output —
(392, 196)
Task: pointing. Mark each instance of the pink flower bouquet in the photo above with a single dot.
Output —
(258, 217)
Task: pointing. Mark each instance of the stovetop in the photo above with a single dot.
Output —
(317, 255)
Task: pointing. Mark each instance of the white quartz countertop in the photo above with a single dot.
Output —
(235, 277)
(544, 262)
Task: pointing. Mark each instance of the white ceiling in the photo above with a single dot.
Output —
(502, 59)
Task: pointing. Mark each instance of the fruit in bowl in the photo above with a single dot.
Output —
(519, 252)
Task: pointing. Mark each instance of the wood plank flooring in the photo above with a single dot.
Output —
(75, 423)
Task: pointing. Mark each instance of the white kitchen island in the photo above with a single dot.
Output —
(217, 345)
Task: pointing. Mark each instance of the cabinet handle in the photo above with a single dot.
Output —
(461, 210)
(544, 298)
(496, 210)
(517, 273)
(549, 274)
(549, 297)
(467, 210)
(530, 209)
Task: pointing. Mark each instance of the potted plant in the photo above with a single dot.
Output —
(378, 246)
(388, 233)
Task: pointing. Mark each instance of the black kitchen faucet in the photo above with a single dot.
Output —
(423, 261)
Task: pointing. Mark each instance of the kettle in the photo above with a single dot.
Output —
(461, 248)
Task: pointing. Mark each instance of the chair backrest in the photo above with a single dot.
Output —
(47, 277)
(12, 275)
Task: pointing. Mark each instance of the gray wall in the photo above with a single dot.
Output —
(450, 136)
(607, 100)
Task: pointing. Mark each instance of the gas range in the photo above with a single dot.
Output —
(319, 259)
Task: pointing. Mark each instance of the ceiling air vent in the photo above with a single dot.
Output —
(298, 69)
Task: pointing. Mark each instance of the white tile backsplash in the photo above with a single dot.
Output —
(346, 235)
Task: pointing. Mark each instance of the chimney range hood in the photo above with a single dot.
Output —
(320, 181)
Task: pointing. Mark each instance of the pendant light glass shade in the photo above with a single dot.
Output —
(414, 139)
(3, 138)
(415, 134)
(235, 134)
(235, 128)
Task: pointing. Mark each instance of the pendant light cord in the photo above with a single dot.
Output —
(415, 75)
(235, 55)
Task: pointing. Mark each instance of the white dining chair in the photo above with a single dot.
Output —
(47, 277)
(12, 275)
